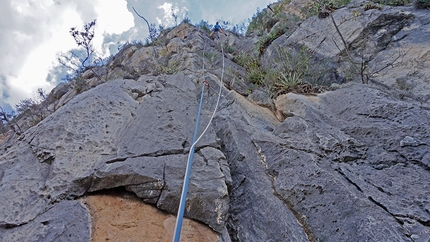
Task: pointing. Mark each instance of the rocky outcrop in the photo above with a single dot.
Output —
(352, 164)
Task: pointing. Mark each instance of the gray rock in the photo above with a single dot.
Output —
(261, 98)
(60, 90)
(351, 187)
(65, 221)
(22, 190)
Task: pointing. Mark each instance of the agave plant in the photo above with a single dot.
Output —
(289, 80)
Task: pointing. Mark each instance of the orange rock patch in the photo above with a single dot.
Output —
(120, 216)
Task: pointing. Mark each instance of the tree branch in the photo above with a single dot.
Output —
(147, 23)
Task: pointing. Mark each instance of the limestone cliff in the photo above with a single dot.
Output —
(349, 162)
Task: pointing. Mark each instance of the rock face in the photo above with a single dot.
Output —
(351, 164)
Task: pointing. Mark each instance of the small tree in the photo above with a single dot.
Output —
(78, 61)
(85, 57)
(6, 120)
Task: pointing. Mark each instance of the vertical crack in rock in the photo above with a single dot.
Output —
(301, 219)
(1, 176)
(164, 183)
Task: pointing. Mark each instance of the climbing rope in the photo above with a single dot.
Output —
(181, 209)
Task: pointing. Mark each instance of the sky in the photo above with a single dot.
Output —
(34, 32)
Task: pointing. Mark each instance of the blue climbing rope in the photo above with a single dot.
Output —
(181, 209)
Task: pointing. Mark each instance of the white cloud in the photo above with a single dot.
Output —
(113, 18)
(170, 12)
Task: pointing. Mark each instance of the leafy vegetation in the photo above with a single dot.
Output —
(255, 72)
(393, 2)
(205, 26)
(315, 7)
(172, 67)
(256, 24)
(229, 48)
(264, 42)
(372, 5)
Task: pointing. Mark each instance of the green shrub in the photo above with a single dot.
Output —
(172, 67)
(372, 5)
(256, 24)
(229, 48)
(255, 72)
(268, 39)
(314, 8)
(393, 2)
(297, 63)
(211, 58)
(205, 26)
(297, 67)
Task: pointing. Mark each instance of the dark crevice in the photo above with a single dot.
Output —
(197, 149)
(400, 39)
(45, 222)
(161, 153)
(205, 160)
(116, 160)
(414, 162)
(158, 153)
(10, 226)
(242, 181)
(164, 183)
(379, 204)
(349, 180)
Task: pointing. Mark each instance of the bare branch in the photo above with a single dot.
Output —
(4, 118)
(150, 28)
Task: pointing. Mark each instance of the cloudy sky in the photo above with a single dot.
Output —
(34, 32)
